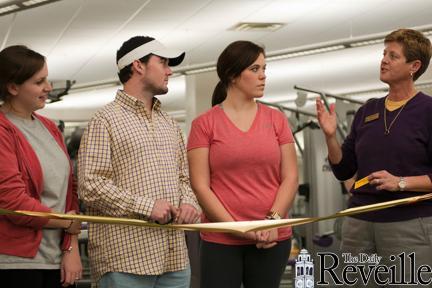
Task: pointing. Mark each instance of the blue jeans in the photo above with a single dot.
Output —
(177, 279)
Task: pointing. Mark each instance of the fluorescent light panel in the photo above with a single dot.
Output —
(33, 2)
(13, 6)
(8, 8)
(304, 52)
(378, 91)
(367, 42)
(200, 70)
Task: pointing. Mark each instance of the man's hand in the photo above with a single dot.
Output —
(187, 214)
(163, 212)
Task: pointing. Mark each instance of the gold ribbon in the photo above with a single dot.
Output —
(239, 226)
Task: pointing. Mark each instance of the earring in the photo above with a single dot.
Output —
(411, 74)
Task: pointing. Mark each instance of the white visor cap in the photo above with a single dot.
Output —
(175, 57)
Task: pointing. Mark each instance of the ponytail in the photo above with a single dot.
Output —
(235, 58)
(219, 94)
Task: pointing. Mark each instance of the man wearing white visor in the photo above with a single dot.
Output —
(132, 163)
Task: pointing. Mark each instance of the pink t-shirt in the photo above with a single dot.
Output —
(244, 166)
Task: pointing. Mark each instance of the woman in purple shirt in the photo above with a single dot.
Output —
(390, 143)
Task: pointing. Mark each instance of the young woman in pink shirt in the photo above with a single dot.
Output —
(243, 166)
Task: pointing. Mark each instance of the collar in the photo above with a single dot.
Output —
(132, 103)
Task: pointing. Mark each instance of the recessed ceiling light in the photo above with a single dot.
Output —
(256, 26)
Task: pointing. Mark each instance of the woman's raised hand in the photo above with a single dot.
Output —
(327, 119)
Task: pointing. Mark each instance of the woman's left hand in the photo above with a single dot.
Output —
(71, 268)
(383, 180)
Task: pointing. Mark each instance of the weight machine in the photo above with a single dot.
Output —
(320, 193)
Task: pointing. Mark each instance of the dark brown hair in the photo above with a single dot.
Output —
(129, 45)
(415, 47)
(17, 64)
(235, 58)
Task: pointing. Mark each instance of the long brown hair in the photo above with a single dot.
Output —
(235, 58)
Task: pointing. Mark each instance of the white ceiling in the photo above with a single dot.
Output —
(80, 37)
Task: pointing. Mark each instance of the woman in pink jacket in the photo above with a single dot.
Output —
(35, 175)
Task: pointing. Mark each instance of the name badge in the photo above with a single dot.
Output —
(371, 117)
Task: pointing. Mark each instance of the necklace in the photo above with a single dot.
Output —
(387, 129)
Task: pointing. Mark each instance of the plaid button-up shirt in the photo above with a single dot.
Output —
(127, 160)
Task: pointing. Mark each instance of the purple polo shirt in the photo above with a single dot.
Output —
(406, 151)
